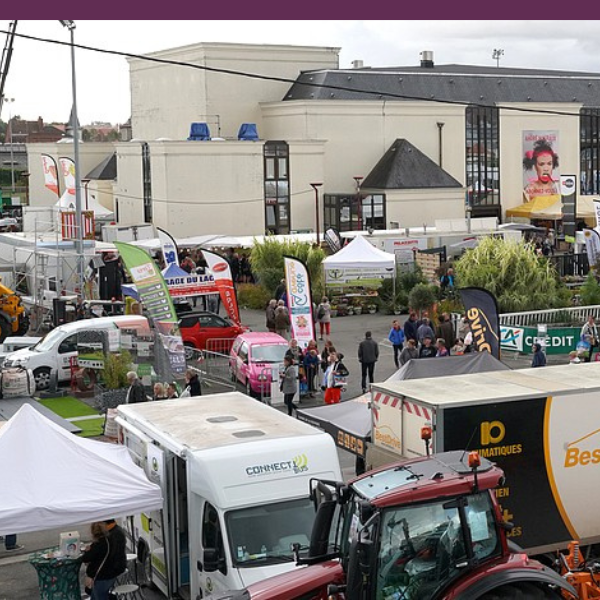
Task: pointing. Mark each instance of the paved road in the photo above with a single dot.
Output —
(18, 580)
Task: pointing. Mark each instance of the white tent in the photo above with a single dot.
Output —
(358, 254)
(52, 478)
(67, 202)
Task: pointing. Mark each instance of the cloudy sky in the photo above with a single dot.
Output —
(40, 77)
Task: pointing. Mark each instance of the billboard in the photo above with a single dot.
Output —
(541, 175)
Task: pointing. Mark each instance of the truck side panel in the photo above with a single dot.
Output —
(512, 434)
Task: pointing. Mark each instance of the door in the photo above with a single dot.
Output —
(66, 350)
(214, 333)
(212, 570)
(243, 364)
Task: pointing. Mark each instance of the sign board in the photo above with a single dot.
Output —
(558, 340)
(370, 278)
(404, 248)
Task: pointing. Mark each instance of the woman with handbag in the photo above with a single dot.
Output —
(105, 557)
(332, 384)
(289, 383)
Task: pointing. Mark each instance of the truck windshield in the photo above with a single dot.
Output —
(269, 354)
(264, 534)
(422, 547)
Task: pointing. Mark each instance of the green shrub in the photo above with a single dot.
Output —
(590, 291)
(116, 367)
(422, 297)
(252, 295)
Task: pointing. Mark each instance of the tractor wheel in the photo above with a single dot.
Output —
(522, 591)
(5, 329)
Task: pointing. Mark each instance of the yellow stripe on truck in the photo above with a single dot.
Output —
(547, 459)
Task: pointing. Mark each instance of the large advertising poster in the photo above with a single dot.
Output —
(299, 301)
(541, 175)
(513, 434)
(155, 297)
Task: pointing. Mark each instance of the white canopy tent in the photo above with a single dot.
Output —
(67, 202)
(52, 478)
(359, 254)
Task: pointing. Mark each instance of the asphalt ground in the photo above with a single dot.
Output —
(18, 579)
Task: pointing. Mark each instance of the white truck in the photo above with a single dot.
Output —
(541, 426)
(235, 477)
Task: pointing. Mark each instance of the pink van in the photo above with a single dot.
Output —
(255, 360)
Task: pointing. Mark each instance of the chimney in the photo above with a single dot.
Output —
(357, 64)
(427, 59)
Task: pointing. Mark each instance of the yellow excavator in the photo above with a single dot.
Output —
(14, 318)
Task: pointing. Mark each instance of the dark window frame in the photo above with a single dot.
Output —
(276, 157)
(589, 151)
(334, 203)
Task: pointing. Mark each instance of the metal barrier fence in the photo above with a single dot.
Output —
(576, 314)
(211, 367)
(571, 264)
(219, 345)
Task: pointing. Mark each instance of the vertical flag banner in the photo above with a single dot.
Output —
(168, 247)
(50, 173)
(299, 301)
(482, 312)
(221, 271)
(592, 245)
(596, 202)
(67, 168)
(155, 296)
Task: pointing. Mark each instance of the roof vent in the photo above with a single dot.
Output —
(358, 64)
(427, 59)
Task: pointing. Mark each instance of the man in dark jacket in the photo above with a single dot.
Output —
(136, 392)
(410, 327)
(445, 330)
(368, 353)
(193, 383)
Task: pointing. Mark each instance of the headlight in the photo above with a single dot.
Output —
(16, 362)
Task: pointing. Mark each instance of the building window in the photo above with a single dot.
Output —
(483, 157)
(277, 188)
(147, 182)
(354, 212)
(589, 150)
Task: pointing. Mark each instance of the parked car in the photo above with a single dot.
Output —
(54, 351)
(203, 330)
(255, 360)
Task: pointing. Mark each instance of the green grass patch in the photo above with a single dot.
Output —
(90, 427)
(68, 407)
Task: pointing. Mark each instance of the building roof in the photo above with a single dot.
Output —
(458, 83)
(106, 170)
(403, 167)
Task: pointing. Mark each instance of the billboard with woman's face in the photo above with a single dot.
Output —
(541, 176)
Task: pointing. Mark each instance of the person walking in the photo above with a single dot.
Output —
(327, 350)
(368, 353)
(539, 358)
(333, 390)
(136, 392)
(311, 367)
(289, 383)
(445, 330)
(324, 317)
(280, 289)
(270, 315)
(282, 320)
(409, 352)
(396, 337)
(193, 387)
(410, 327)
(424, 331)
(589, 333)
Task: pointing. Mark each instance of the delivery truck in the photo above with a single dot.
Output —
(540, 426)
(235, 478)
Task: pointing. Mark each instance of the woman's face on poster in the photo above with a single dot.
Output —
(543, 167)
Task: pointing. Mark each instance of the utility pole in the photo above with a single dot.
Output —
(497, 54)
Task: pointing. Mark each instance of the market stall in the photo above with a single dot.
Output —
(353, 275)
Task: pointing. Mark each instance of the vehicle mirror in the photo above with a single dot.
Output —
(211, 560)
(366, 511)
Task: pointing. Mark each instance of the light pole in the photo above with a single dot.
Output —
(70, 25)
(12, 160)
(316, 186)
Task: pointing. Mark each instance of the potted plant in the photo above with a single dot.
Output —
(372, 308)
(114, 379)
(357, 307)
(334, 310)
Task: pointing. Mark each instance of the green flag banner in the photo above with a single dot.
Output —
(155, 297)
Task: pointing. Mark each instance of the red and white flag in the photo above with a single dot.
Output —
(221, 271)
(50, 173)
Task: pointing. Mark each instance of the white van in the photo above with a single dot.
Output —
(54, 351)
(235, 475)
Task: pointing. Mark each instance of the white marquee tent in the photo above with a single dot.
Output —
(52, 478)
(67, 202)
(360, 254)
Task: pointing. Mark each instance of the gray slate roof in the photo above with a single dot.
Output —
(405, 167)
(458, 83)
(106, 170)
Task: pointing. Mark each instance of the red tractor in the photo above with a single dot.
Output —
(424, 529)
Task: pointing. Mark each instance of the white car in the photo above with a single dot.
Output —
(55, 350)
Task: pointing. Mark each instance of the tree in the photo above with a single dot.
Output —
(422, 297)
(510, 270)
(590, 291)
(267, 262)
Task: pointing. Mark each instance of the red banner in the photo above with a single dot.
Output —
(221, 271)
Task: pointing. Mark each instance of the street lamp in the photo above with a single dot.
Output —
(316, 186)
(12, 160)
(70, 25)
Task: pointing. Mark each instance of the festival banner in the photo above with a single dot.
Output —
(596, 202)
(482, 313)
(169, 248)
(221, 271)
(67, 168)
(155, 297)
(592, 245)
(299, 301)
(50, 173)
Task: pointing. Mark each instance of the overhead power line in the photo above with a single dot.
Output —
(388, 95)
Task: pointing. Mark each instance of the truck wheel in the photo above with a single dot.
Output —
(522, 591)
(5, 329)
(42, 378)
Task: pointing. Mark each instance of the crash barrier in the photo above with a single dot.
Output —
(212, 367)
(219, 345)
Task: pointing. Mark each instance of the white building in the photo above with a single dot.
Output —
(420, 140)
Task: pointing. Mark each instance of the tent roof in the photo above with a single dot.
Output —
(585, 209)
(538, 204)
(359, 253)
(67, 201)
(54, 479)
